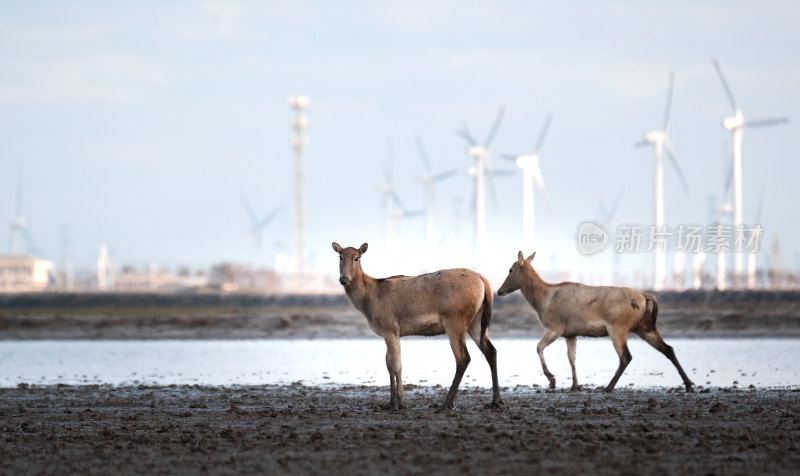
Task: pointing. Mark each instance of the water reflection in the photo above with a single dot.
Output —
(709, 362)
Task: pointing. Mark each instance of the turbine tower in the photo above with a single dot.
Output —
(429, 184)
(531, 177)
(480, 152)
(751, 257)
(736, 124)
(299, 141)
(661, 142)
(606, 217)
(18, 226)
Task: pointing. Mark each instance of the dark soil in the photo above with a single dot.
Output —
(306, 430)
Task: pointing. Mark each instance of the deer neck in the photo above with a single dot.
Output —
(535, 290)
(360, 292)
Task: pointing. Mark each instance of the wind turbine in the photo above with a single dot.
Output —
(661, 142)
(480, 152)
(390, 201)
(18, 226)
(429, 183)
(531, 177)
(606, 217)
(255, 229)
(736, 124)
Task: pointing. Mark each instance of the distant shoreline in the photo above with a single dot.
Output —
(257, 316)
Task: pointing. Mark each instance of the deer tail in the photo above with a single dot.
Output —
(651, 307)
(486, 315)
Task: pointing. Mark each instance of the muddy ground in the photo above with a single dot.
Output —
(306, 430)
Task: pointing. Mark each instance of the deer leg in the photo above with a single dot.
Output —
(459, 346)
(621, 346)
(395, 367)
(491, 356)
(654, 338)
(549, 338)
(571, 342)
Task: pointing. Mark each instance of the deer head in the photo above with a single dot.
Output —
(516, 274)
(349, 262)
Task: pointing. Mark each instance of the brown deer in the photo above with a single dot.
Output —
(573, 309)
(443, 302)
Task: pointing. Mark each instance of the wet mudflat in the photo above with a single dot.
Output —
(297, 429)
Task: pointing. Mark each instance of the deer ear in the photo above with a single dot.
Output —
(363, 248)
(336, 247)
(530, 258)
(520, 257)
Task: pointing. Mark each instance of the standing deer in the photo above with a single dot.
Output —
(443, 302)
(574, 309)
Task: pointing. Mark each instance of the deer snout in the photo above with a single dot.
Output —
(343, 280)
(502, 292)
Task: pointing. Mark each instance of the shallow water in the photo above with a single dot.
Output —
(708, 362)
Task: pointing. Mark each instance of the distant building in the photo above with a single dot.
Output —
(105, 270)
(20, 273)
(131, 280)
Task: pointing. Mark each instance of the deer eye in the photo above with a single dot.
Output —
(510, 270)
(356, 258)
(340, 258)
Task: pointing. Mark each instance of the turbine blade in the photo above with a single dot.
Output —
(500, 172)
(248, 209)
(444, 175)
(509, 156)
(32, 249)
(19, 192)
(423, 154)
(614, 206)
(395, 199)
(640, 144)
(601, 211)
(669, 102)
(467, 135)
(729, 178)
(264, 222)
(539, 181)
(414, 213)
(671, 155)
(494, 128)
(542, 133)
(725, 85)
(390, 154)
(766, 122)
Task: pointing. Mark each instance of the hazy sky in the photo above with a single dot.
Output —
(140, 124)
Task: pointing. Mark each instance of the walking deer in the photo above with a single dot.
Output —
(570, 310)
(443, 302)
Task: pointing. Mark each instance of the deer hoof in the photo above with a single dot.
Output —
(575, 388)
(394, 406)
(495, 405)
(444, 407)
